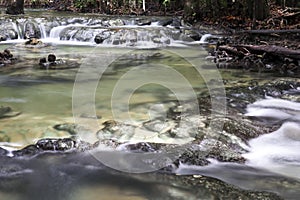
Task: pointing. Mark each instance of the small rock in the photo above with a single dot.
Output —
(6, 111)
(144, 22)
(140, 147)
(165, 22)
(33, 41)
(56, 144)
(51, 58)
(42, 61)
(98, 39)
(7, 54)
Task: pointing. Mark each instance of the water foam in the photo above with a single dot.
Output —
(277, 151)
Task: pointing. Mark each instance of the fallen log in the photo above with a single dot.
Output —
(271, 49)
(232, 51)
(271, 31)
(289, 15)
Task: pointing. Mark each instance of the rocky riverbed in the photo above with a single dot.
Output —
(228, 145)
(190, 149)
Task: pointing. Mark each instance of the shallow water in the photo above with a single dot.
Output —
(45, 96)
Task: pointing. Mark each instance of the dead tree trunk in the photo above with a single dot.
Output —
(272, 50)
(15, 7)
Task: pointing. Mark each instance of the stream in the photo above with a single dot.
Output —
(139, 85)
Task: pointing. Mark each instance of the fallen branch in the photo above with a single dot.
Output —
(289, 15)
(271, 49)
(271, 31)
(231, 50)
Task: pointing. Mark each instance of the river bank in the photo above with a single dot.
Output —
(268, 46)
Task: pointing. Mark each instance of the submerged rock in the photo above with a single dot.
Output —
(52, 63)
(6, 111)
(71, 128)
(4, 137)
(6, 58)
(219, 189)
(116, 130)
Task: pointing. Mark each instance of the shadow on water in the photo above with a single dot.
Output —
(76, 176)
(247, 178)
(69, 176)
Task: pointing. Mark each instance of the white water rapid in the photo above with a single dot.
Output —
(278, 151)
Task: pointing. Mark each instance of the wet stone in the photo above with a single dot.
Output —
(68, 127)
(139, 147)
(98, 39)
(51, 58)
(115, 130)
(219, 189)
(6, 58)
(165, 22)
(3, 152)
(143, 22)
(52, 63)
(193, 34)
(192, 156)
(116, 22)
(56, 144)
(30, 150)
(221, 151)
(243, 128)
(160, 126)
(6, 111)
(33, 42)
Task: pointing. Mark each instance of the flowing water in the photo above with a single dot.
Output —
(122, 70)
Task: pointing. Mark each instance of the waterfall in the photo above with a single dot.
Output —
(204, 38)
(115, 31)
(17, 29)
(55, 32)
(43, 30)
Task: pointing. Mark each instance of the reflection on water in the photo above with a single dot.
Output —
(45, 96)
(106, 193)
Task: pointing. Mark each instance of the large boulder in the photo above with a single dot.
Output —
(53, 145)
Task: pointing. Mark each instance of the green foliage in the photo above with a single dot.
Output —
(166, 3)
(80, 4)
